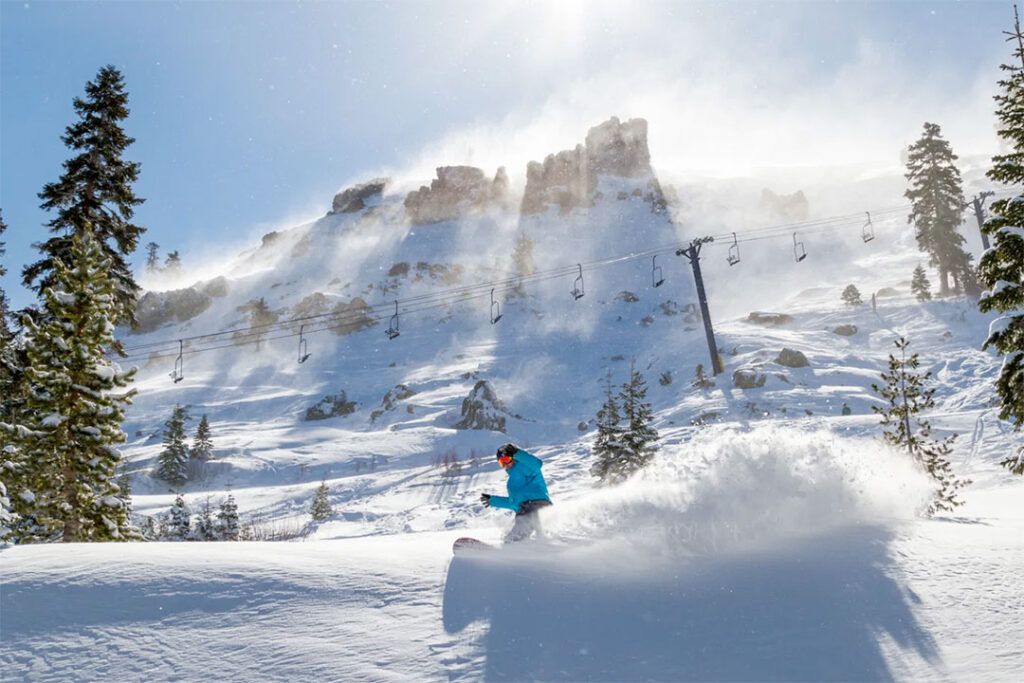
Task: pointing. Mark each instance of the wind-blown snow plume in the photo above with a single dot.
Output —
(729, 490)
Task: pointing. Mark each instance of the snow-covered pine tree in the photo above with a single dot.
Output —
(227, 520)
(152, 257)
(907, 396)
(7, 516)
(260, 316)
(202, 446)
(919, 285)
(851, 296)
(173, 461)
(609, 451)
(94, 193)
(66, 435)
(639, 438)
(13, 389)
(937, 199)
(205, 529)
(1002, 267)
(124, 489)
(179, 526)
(321, 508)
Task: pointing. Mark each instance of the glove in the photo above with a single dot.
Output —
(485, 498)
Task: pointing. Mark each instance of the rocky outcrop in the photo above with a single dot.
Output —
(482, 409)
(391, 400)
(352, 316)
(457, 191)
(845, 330)
(355, 198)
(784, 207)
(155, 309)
(746, 378)
(568, 179)
(334, 405)
(792, 358)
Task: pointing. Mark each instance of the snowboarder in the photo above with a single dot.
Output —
(527, 491)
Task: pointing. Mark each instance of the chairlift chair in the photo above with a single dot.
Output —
(495, 309)
(867, 233)
(734, 251)
(799, 253)
(657, 277)
(179, 363)
(303, 346)
(577, 285)
(392, 330)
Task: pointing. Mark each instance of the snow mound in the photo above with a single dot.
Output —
(734, 490)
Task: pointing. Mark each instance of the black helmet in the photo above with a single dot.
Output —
(509, 449)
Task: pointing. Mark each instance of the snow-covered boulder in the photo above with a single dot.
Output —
(845, 330)
(334, 405)
(391, 400)
(482, 409)
(791, 358)
(769, 319)
(748, 378)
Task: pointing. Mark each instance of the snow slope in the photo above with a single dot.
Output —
(774, 539)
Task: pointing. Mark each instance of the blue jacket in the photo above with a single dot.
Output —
(525, 482)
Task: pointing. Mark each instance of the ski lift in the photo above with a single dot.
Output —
(577, 285)
(303, 346)
(179, 363)
(657, 278)
(867, 233)
(392, 330)
(495, 306)
(799, 253)
(734, 251)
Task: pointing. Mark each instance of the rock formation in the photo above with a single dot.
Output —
(568, 179)
(482, 409)
(791, 358)
(457, 191)
(353, 199)
(155, 309)
(335, 405)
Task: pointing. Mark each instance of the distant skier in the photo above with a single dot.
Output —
(527, 491)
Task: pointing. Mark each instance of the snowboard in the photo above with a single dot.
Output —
(467, 544)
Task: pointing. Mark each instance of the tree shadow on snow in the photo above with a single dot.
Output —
(815, 610)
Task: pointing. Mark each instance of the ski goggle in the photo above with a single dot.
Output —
(505, 460)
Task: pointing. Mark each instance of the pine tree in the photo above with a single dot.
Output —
(205, 529)
(202, 446)
(7, 516)
(227, 520)
(173, 461)
(94, 194)
(523, 264)
(260, 316)
(609, 448)
(700, 378)
(13, 386)
(152, 257)
(321, 508)
(937, 199)
(124, 490)
(172, 264)
(1002, 267)
(920, 286)
(851, 296)
(640, 438)
(66, 435)
(907, 397)
(180, 522)
(5, 330)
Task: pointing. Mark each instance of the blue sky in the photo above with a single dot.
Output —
(249, 116)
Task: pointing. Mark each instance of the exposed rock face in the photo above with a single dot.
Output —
(845, 330)
(354, 199)
(155, 309)
(769, 319)
(792, 358)
(784, 207)
(335, 405)
(391, 399)
(216, 287)
(482, 409)
(456, 192)
(568, 179)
